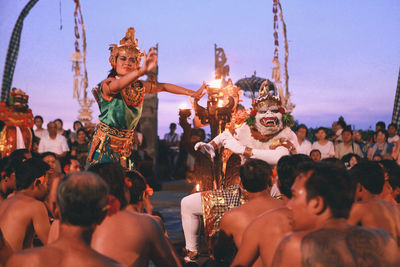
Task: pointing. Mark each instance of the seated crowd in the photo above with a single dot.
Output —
(334, 203)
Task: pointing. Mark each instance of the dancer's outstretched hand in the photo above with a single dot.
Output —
(149, 61)
(201, 92)
(206, 147)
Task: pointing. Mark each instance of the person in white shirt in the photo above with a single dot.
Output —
(392, 130)
(304, 144)
(39, 131)
(53, 142)
(323, 145)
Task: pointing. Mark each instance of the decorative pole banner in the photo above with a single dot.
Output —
(12, 52)
(396, 106)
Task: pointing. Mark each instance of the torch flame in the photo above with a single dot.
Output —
(197, 187)
(220, 103)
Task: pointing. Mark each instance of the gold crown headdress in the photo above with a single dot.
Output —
(266, 95)
(127, 45)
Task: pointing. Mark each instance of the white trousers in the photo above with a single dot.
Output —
(191, 210)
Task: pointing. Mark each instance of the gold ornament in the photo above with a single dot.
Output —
(127, 46)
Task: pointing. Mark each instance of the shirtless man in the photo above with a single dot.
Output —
(70, 165)
(369, 209)
(24, 214)
(131, 238)
(262, 236)
(54, 179)
(81, 199)
(8, 167)
(321, 202)
(255, 176)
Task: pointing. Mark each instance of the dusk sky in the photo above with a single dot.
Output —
(344, 56)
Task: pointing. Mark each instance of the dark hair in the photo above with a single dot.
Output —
(60, 120)
(370, 175)
(75, 122)
(51, 122)
(287, 169)
(112, 73)
(321, 128)
(315, 150)
(336, 162)
(199, 132)
(347, 129)
(302, 126)
(81, 130)
(384, 132)
(67, 161)
(334, 186)
(113, 174)
(138, 186)
(393, 171)
(82, 198)
(346, 158)
(341, 122)
(255, 175)
(393, 125)
(28, 171)
(48, 153)
(381, 124)
(14, 160)
(172, 125)
(38, 117)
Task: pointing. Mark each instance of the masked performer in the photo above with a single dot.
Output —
(120, 98)
(265, 135)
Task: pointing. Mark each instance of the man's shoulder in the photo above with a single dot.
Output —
(43, 256)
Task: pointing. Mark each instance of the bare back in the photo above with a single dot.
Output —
(349, 246)
(61, 254)
(377, 213)
(236, 220)
(262, 237)
(20, 217)
(133, 239)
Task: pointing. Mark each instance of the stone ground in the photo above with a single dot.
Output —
(167, 202)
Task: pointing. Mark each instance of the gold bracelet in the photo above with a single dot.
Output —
(248, 152)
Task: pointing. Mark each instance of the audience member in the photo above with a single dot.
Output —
(337, 129)
(262, 236)
(24, 214)
(350, 160)
(315, 155)
(304, 144)
(172, 140)
(347, 145)
(357, 138)
(392, 133)
(380, 125)
(131, 238)
(73, 134)
(381, 147)
(81, 202)
(321, 203)
(60, 130)
(53, 142)
(369, 209)
(323, 145)
(80, 147)
(39, 131)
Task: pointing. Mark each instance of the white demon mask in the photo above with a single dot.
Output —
(269, 119)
